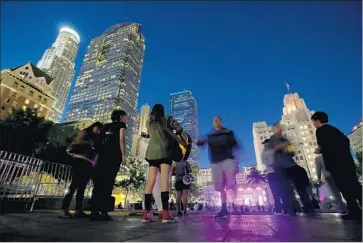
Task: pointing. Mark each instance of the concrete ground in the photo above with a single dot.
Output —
(46, 226)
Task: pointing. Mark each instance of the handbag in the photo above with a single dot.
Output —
(177, 145)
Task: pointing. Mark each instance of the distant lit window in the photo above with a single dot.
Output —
(26, 101)
(26, 68)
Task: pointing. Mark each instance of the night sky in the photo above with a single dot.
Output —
(233, 56)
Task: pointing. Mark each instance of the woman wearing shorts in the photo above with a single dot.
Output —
(159, 158)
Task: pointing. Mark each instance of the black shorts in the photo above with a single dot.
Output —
(158, 162)
(180, 186)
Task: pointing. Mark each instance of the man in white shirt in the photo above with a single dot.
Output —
(280, 188)
(321, 171)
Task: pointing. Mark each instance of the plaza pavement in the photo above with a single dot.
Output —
(46, 226)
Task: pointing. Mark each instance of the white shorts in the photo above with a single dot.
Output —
(224, 174)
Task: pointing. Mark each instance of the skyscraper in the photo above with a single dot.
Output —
(183, 107)
(139, 142)
(58, 62)
(110, 76)
(297, 127)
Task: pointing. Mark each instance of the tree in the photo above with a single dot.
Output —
(136, 169)
(195, 192)
(23, 131)
(256, 177)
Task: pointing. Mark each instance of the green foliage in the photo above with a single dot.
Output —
(256, 177)
(136, 169)
(23, 131)
(195, 192)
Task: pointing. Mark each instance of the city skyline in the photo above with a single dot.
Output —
(110, 77)
(242, 81)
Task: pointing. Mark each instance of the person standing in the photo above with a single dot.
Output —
(338, 160)
(159, 157)
(221, 143)
(182, 169)
(321, 171)
(285, 165)
(84, 157)
(112, 152)
(279, 185)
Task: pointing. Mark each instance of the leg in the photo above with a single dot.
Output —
(273, 183)
(164, 182)
(178, 199)
(83, 182)
(157, 191)
(229, 169)
(185, 200)
(76, 174)
(149, 186)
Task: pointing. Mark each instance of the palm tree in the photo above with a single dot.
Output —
(256, 177)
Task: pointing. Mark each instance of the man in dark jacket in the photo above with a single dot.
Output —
(338, 160)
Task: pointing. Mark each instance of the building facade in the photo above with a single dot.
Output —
(26, 87)
(110, 77)
(183, 108)
(140, 141)
(297, 127)
(58, 62)
(355, 138)
(80, 124)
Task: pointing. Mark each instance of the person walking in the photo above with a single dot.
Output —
(285, 165)
(322, 172)
(112, 152)
(221, 143)
(338, 160)
(159, 156)
(182, 169)
(84, 157)
(279, 185)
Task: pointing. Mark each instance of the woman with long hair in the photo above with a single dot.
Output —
(84, 158)
(158, 155)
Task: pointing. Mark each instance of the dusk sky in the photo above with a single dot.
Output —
(233, 56)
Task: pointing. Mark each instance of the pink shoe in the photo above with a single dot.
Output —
(147, 216)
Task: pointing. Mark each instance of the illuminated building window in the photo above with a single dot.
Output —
(26, 101)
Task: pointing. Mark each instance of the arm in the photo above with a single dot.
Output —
(123, 143)
(80, 138)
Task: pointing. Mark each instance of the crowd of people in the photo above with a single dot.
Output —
(100, 150)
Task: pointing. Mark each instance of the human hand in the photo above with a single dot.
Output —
(318, 150)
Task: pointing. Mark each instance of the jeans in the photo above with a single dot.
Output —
(81, 174)
(281, 191)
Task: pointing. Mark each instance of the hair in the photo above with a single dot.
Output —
(117, 114)
(320, 116)
(90, 128)
(157, 113)
(218, 117)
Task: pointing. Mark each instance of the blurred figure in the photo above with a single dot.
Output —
(279, 185)
(84, 157)
(221, 143)
(321, 171)
(112, 152)
(338, 160)
(159, 157)
(285, 164)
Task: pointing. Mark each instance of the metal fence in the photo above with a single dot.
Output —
(28, 179)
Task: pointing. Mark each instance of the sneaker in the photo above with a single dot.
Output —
(65, 214)
(185, 214)
(166, 217)
(80, 214)
(180, 213)
(106, 217)
(222, 214)
(147, 216)
(99, 217)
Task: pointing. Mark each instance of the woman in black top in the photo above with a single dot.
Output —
(84, 158)
(111, 154)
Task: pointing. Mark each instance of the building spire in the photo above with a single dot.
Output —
(287, 87)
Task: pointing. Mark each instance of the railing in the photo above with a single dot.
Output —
(28, 179)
